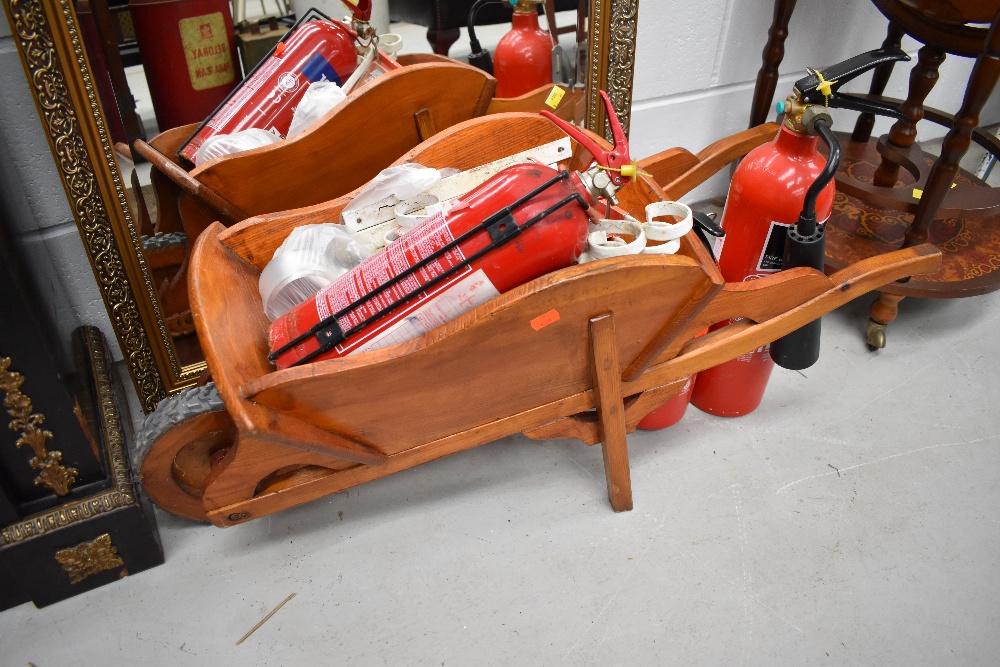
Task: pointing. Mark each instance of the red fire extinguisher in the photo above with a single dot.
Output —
(457, 259)
(311, 51)
(188, 51)
(522, 61)
(777, 185)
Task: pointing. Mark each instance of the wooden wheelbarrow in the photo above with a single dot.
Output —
(352, 143)
(584, 352)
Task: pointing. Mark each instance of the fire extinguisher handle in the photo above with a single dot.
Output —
(362, 9)
(823, 86)
(617, 161)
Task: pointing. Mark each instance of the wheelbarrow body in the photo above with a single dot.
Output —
(353, 142)
(584, 352)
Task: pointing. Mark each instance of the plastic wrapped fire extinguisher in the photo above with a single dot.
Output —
(459, 258)
(777, 185)
(315, 49)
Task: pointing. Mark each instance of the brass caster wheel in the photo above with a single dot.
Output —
(177, 447)
(876, 335)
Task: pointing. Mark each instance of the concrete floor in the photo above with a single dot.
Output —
(852, 519)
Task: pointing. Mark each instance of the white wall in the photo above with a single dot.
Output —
(697, 63)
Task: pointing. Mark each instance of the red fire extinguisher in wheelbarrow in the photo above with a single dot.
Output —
(316, 48)
(781, 195)
(459, 258)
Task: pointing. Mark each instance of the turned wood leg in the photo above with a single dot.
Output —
(880, 78)
(882, 312)
(956, 142)
(441, 40)
(774, 52)
(903, 133)
(611, 430)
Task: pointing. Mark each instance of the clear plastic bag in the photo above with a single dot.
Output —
(402, 182)
(227, 144)
(320, 97)
(312, 257)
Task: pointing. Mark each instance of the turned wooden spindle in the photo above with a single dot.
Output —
(903, 133)
(956, 142)
(774, 52)
(880, 78)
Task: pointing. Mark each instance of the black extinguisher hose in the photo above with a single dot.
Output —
(805, 245)
(478, 56)
(807, 219)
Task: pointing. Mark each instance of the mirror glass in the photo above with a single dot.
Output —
(117, 97)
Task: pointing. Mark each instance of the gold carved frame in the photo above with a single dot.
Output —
(51, 47)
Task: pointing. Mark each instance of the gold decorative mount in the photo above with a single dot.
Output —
(89, 558)
(54, 476)
(121, 494)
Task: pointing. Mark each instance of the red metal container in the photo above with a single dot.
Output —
(554, 242)
(765, 199)
(268, 96)
(523, 58)
(188, 53)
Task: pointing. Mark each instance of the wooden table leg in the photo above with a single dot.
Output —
(606, 371)
(882, 311)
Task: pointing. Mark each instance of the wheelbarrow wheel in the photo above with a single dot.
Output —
(178, 445)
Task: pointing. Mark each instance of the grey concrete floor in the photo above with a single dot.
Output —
(852, 519)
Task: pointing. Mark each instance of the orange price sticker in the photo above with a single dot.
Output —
(545, 319)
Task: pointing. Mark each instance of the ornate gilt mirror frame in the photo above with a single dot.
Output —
(51, 48)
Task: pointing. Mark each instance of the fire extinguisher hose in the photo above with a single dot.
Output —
(501, 227)
(805, 245)
(807, 219)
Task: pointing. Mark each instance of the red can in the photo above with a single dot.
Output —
(188, 53)
(268, 96)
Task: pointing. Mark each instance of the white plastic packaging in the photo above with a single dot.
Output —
(312, 257)
(400, 182)
(320, 97)
(227, 144)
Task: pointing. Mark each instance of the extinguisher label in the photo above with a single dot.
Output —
(774, 248)
(457, 294)
(207, 50)
(460, 297)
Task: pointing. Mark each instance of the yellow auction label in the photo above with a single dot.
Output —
(555, 97)
(206, 50)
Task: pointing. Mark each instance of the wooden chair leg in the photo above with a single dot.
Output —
(441, 40)
(882, 312)
(880, 78)
(903, 133)
(606, 371)
(774, 52)
(956, 143)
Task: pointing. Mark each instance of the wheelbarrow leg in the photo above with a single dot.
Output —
(606, 371)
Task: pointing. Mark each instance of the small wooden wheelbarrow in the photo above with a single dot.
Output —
(584, 352)
(353, 142)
